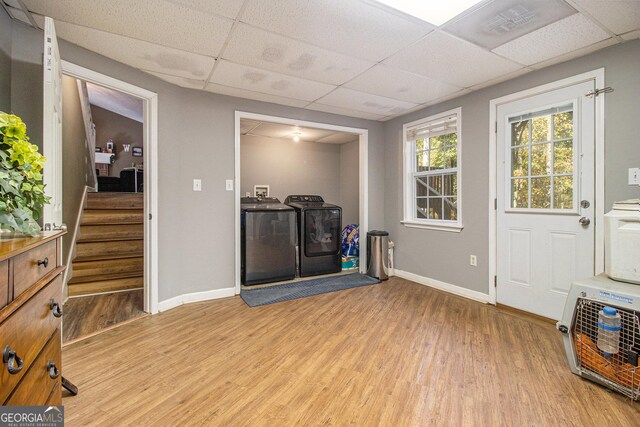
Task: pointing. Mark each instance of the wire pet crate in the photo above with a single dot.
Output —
(620, 371)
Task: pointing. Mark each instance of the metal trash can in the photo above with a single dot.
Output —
(378, 254)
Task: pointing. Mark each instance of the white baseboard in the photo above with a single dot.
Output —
(195, 297)
(443, 286)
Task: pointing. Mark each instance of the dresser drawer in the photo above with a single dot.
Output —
(31, 266)
(4, 283)
(38, 384)
(26, 332)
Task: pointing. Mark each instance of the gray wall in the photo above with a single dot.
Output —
(26, 78)
(289, 167)
(445, 256)
(196, 140)
(5, 61)
(122, 130)
(349, 183)
(76, 160)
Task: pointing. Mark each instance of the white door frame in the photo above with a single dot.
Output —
(598, 76)
(363, 171)
(150, 147)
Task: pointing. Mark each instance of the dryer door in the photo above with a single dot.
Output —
(322, 232)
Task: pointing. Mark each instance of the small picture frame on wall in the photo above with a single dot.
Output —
(136, 151)
(261, 191)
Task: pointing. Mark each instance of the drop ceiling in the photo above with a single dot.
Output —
(357, 58)
(250, 127)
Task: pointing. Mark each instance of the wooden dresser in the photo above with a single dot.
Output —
(30, 314)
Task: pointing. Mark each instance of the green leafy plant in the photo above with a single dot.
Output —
(21, 188)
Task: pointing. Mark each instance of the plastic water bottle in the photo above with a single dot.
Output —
(609, 325)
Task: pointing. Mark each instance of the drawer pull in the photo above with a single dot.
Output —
(55, 308)
(44, 262)
(53, 370)
(14, 363)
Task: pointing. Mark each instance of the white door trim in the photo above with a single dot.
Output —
(598, 76)
(150, 145)
(363, 178)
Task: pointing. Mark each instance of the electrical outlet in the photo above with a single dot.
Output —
(197, 185)
(229, 185)
(634, 176)
(473, 260)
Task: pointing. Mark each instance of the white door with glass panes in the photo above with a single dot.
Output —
(545, 198)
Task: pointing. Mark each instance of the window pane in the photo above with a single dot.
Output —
(420, 145)
(450, 209)
(435, 185)
(435, 208)
(563, 192)
(451, 156)
(520, 161)
(436, 141)
(436, 158)
(541, 129)
(520, 193)
(563, 157)
(451, 139)
(421, 208)
(541, 192)
(541, 159)
(563, 125)
(422, 187)
(422, 161)
(450, 185)
(520, 133)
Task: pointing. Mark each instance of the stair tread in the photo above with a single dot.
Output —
(84, 271)
(110, 285)
(106, 200)
(110, 232)
(112, 216)
(87, 251)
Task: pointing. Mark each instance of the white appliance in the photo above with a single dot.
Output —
(622, 241)
(579, 325)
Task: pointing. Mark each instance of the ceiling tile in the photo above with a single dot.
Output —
(564, 36)
(226, 8)
(631, 35)
(618, 16)
(576, 53)
(248, 94)
(368, 103)
(178, 81)
(171, 25)
(247, 124)
(138, 53)
(394, 83)
(354, 28)
(339, 138)
(262, 49)
(263, 81)
(500, 79)
(500, 21)
(343, 111)
(280, 130)
(451, 60)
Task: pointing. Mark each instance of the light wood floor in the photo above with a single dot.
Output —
(393, 354)
(87, 315)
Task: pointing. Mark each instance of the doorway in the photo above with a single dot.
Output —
(546, 199)
(148, 204)
(283, 131)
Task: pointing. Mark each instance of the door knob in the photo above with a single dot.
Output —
(584, 221)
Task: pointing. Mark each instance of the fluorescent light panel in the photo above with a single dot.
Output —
(433, 12)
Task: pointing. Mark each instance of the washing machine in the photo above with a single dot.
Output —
(268, 241)
(319, 241)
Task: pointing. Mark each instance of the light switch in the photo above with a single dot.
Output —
(197, 185)
(229, 185)
(634, 176)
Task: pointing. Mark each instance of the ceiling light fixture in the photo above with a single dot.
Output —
(296, 135)
(436, 13)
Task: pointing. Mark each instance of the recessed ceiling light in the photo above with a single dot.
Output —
(433, 12)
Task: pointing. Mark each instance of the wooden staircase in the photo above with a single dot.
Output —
(110, 245)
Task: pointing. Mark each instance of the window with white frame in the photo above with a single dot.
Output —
(432, 171)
